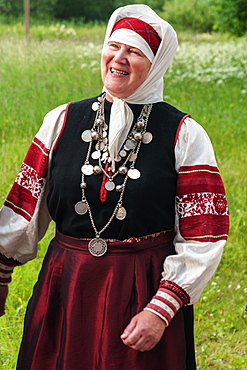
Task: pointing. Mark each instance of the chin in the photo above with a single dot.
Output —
(116, 93)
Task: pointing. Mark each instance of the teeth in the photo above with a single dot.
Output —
(116, 72)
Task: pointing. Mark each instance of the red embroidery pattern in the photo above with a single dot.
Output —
(30, 181)
(201, 204)
(173, 287)
(197, 204)
(168, 233)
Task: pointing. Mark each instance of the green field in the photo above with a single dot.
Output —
(207, 79)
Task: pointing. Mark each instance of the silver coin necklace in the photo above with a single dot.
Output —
(97, 139)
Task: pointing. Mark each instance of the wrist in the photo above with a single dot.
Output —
(168, 300)
(5, 273)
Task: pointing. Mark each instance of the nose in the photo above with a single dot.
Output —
(120, 56)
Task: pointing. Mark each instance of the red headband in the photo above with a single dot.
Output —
(146, 31)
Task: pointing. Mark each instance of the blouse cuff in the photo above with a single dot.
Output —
(5, 274)
(6, 268)
(169, 298)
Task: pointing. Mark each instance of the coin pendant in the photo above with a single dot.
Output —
(86, 136)
(87, 169)
(104, 157)
(97, 247)
(134, 174)
(95, 106)
(96, 154)
(129, 145)
(110, 185)
(133, 157)
(118, 158)
(121, 213)
(81, 208)
(122, 153)
(147, 138)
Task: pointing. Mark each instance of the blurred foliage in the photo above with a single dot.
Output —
(189, 14)
(207, 15)
(97, 10)
(39, 8)
(230, 16)
(196, 15)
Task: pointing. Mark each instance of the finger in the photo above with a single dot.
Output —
(140, 341)
(129, 328)
(142, 344)
(136, 344)
(132, 336)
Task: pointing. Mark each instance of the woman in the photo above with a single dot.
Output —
(140, 210)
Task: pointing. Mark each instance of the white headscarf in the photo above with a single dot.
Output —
(151, 90)
(131, 37)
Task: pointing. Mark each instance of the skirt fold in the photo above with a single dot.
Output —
(81, 304)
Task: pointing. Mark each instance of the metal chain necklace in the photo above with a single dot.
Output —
(129, 152)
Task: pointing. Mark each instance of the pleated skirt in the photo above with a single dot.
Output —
(81, 305)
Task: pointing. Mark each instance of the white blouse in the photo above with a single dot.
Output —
(201, 223)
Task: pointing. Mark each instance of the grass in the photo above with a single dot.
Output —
(61, 64)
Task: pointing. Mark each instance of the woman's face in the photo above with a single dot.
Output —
(123, 68)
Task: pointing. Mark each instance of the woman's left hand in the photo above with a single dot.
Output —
(144, 331)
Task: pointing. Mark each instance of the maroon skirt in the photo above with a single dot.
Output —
(81, 305)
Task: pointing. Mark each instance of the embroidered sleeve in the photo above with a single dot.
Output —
(201, 204)
(24, 217)
(201, 225)
(30, 181)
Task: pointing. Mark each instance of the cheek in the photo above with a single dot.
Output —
(103, 67)
(143, 73)
(105, 59)
(142, 69)
(102, 71)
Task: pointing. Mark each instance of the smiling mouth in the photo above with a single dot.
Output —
(117, 72)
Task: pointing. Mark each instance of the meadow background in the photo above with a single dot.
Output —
(207, 79)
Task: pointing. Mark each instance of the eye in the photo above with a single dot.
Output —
(113, 45)
(136, 52)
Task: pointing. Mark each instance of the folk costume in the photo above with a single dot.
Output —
(141, 218)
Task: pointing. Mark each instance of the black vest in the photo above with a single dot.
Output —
(149, 200)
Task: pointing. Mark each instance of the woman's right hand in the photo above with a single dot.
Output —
(3, 296)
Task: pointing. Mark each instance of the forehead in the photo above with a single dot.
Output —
(123, 45)
(132, 39)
